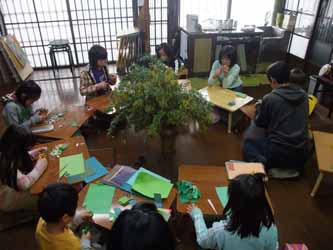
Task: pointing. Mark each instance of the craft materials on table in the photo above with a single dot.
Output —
(118, 177)
(59, 149)
(95, 168)
(237, 168)
(188, 192)
(212, 206)
(148, 185)
(53, 117)
(74, 167)
(222, 193)
(98, 199)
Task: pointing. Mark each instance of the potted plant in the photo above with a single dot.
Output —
(149, 98)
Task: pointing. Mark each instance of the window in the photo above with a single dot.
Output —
(208, 9)
(241, 11)
(158, 11)
(83, 22)
(255, 12)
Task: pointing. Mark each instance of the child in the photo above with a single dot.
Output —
(141, 228)
(166, 54)
(57, 207)
(18, 107)
(282, 118)
(19, 169)
(249, 222)
(95, 80)
(225, 70)
(297, 76)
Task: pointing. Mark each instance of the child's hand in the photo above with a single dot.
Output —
(42, 116)
(225, 69)
(86, 236)
(86, 215)
(190, 207)
(219, 71)
(113, 79)
(103, 85)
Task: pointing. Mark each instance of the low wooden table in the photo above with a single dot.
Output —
(206, 178)
(324, 149)
(100, 103)
(63, 128)
(221, 98)
(51, 173)
(104, 221)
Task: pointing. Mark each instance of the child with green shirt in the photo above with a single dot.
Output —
(249, 222)
(225, 71)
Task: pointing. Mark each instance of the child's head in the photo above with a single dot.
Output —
(28, 92)
(141, 228)
(248, 208)
(57, 203)
(14, 146)
(297, 76)
(278, 73)
(228, 56)
(165, 52)
(98, 56)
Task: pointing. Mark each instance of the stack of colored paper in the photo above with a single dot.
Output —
(73, 168)
(94, 170)
(148, 184)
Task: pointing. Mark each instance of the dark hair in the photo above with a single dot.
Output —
(247, 209)
(56, 200)
(229, 52)
(95, 53)
(141, 228)
(27, 90)
(14, 146)
(279, 71)
(297, 76)
(169, 51)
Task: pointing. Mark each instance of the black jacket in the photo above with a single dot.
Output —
(284, 115)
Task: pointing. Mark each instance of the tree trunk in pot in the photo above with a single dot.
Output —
(168, 141)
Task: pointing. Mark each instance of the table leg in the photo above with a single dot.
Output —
(229, 122)
(316, 186)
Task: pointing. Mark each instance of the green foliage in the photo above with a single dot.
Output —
(150, 98)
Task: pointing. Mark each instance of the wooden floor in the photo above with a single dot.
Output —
(300, 218)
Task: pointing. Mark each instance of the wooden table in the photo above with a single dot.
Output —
(100, 103)
(63, 128)
(249, 110)
(206, 178)
(324, 149)
(104, 221)
(221, 98)
(51, 173)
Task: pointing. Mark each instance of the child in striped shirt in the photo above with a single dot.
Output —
(249, 222)
(20, 169)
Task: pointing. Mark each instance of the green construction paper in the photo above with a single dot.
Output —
(98, 199)
(241, 95)
(188, 192)
(72, 165)
(222, 193)
(73, 123)
(148, 185)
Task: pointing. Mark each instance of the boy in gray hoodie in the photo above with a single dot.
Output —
(283, 116)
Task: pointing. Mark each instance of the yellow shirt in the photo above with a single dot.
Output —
(63, 241)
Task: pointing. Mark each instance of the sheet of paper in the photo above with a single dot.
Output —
(237, 168)
(96, 168)
(72, 165)
(131, 180)
(147, 185)
(222, 193)
(99, 198)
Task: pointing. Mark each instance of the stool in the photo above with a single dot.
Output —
(60, 45)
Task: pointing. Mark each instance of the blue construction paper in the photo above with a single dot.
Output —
(98, 169)
(222, 193)
(131, 180)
